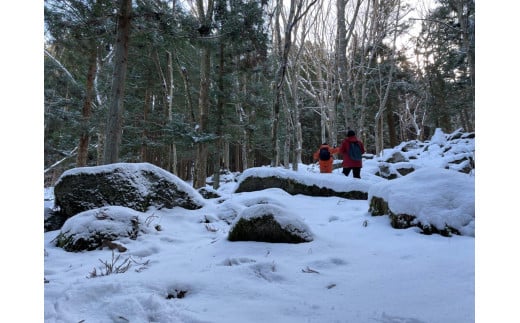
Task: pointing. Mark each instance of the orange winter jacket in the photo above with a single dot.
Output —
(325, 165)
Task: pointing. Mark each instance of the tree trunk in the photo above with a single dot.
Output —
(201, 159)
(114, 121)
(392, 134)
(168, 88)
(187, 85)
(379, 118)
(341, 57)
(367, 59)
(220, 115)
(84, 138)
(171, 147)
(298, 136)
(144, 135)
(100, 145)
(289, 129)
(296, 12)
(251, 120)
(278, 85)
(226, 155)
(244, 121)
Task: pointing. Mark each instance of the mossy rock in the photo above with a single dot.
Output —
(401, 221)
(253, 183)
(89, 230)
(138, 186)
(264, 229)
(378, 206)
(269, 223)
(447, 231)
(93, 242)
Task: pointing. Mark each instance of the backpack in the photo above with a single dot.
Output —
(354, 151)
(324, 154)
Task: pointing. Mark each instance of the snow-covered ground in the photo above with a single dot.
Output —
(357, 268)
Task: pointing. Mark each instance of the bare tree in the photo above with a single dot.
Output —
(343, 36)
(317, 67)
(386, 84)
(294, 136)
(297, 10)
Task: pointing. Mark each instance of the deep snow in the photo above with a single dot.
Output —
(356, 269)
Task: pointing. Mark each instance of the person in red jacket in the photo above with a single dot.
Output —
(325, 164)
(349, 163)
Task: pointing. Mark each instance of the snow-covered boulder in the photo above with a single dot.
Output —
(394, 170)
(269, 223)
(95, 229)
(396, 157)
(208, 193)
(260, 178)
(433, 199)
(138, 186)
(453, 151)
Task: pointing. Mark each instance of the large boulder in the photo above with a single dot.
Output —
(269, 223)
(260, 178)
(138, 186)
(435, 200)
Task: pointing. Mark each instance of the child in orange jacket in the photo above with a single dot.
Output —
(325, 164)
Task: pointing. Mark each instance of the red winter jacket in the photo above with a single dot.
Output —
(344, 148)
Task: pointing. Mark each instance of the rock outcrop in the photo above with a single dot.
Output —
(269, 223)
(138, 186)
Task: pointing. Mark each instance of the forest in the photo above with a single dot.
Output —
(201, 87)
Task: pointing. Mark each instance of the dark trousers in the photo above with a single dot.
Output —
(356, 171)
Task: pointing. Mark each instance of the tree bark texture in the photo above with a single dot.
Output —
(201, 159)
(86, 113)
(115, 113)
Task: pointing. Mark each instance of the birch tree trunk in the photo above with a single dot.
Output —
(114, 121)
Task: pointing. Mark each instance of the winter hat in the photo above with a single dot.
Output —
(351, 133)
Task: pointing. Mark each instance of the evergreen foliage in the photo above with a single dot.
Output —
(160, 126)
